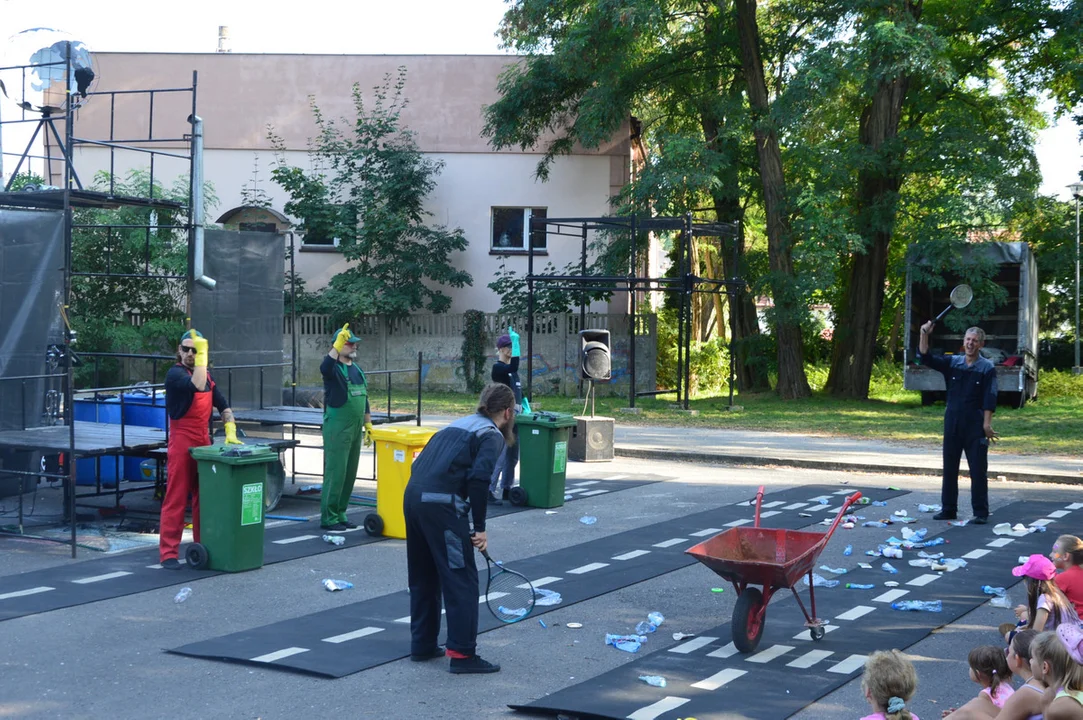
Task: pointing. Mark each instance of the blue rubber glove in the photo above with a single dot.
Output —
(514, 342)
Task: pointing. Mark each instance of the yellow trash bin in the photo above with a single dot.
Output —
(396, 448)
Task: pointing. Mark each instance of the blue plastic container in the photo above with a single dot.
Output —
(105, 410)
(144, 411)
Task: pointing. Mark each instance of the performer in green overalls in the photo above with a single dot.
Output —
(347, 423)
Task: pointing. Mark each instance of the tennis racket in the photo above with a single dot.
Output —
(509, 594)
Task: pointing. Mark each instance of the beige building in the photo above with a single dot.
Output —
(488, 194)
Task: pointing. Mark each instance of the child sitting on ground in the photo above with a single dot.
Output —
(1057, 660)
(988, 668)
(888, 683)
(1067, 556)
(1046, 607)
(1026, 702)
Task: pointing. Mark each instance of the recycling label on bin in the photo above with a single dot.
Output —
(560, 456)
(252, 504)
(400, 456)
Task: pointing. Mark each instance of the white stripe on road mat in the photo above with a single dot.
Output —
(23, 593)
(403, 619)
(670, 543)
(975, 554)
(158, 566)
(650, 712)
(923, 580)
(593, 492)
(353, 635)
(724, 652)
(1058, 513)
(1042, 523)
(855, 613)
(776, 503)
(99, 578)
(1074, 506)
(595, 482)
(588, 568)
(795, 506)
(491, 596)
(805, 635)
(299, 538)
(890, 596)
(1000, 542)
(719, 679)
(692, 645)
(279, 654)
(631, 555)
(544, 581)
(738, 523)
(818, 498)
(810, 658)
(848, 665)
(769, 654)
(769, 513)
(705, 532)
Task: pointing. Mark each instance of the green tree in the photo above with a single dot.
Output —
(367, 187)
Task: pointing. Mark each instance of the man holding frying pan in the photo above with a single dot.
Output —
(971, 382)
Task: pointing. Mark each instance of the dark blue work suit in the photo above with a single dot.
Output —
(504, 474)
(971, 391)
(449, 481)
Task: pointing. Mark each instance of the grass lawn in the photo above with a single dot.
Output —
(1051, 425)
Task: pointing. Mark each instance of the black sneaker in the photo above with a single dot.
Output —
(171, 564)
(980, 520)
(944, 515)
(472, 665)
(438, 652)
(348, 525)
(335, 526)
(494, 500)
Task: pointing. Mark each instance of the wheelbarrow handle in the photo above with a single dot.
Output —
(842, 512)
(759, 503)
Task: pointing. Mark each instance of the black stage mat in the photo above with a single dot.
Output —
(109, 577)
(345, 640)
(707, 678)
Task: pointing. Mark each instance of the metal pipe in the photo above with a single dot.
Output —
(197, 204)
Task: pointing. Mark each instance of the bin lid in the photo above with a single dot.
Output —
(235, 454)
(547, 419)
(405, 434)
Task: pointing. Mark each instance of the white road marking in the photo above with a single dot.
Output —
(776, 503)
(818, 498)
(724, 652)
(738, 523)
(279, 654)
(352, 635)
(573, 491)
(1058, 513)
(795, 506)
(719, 679)
(842, 492)
(805, 635)
(1000, 542)
(670, 543)
(595, 482)
(594, 492)
(403, 619)
(492, 596)
(99, 578)
(706, 531)
(1074, 506)
(975, 554)
(587, 568)
(769, 513)
(298, 538)
(1043, 522)
(541, 582)
(923, 580)
(23, 593)
(855, 613)
(769, 654)
(890, 596)
(650, 712)
(810, 658)
(692, 645)
(848, 665)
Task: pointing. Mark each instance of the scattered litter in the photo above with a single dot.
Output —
(837, 571)
(866, 566)
(1000, 601)
(900, 513)
(824, 501)
(804, 514)
(542, 623)
(848, 526)
(887, 567)
(891, 552)
(334, 539)
(931, 556)
(879, 503)
(627, 643)
(863, 501)
(333, 585)
(588, 519)
(1017, 530)
(874, 523)
(550, 512)
(891, 583)
(820, 581)
(567, 497)
(718, 590)
(517, 612)
(958, 523)
(546, 598)
(921, 562)
(573, 626)
(954, 564)
(645, 627)
(892, 487)
(922, 605)
(654, 680)
(683, 636)
(849, 550)
(928, 508)
(856, 586)
(183, 595)
(990, 590)
(308, 489)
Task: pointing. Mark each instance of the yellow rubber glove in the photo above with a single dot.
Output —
(231, 434)
(342, 338)
(202, 351)
(366, 435)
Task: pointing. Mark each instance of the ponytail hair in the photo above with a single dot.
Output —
(989, 661)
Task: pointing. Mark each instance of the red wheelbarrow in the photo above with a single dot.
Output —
(773, 559)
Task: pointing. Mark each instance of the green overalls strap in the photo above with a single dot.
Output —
(343, 428)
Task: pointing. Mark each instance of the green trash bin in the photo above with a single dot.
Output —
(231, 486)
(543, 458)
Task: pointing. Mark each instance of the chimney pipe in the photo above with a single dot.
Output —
(223, 39)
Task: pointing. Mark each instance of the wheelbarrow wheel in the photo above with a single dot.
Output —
(817, 632)
(749, 615)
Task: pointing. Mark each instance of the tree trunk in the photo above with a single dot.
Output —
(792, 382)
(878, 181)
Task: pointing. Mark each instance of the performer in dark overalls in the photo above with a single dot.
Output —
(448, 485)
(971, 382)
(506, 372)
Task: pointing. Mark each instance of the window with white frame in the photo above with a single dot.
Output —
(509, 227)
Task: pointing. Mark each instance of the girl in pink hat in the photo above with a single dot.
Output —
(1046, 607)
(1057, 659)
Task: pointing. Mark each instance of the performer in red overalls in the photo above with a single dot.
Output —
(189, 394)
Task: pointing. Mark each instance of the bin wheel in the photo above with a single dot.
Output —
(749, 615)
(517, 495)
(817, 633)
(374, 524)
(196, 555)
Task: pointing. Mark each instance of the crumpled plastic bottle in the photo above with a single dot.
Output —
(184, 594)
(879, 503)
(333, 585)
(651, 624)
(334, 539)
(545, 598)
(837, 571)
(922, 605)
(990, 590)
(888, 568)
(891, 552)
(849, 550)
(858, 586)
(654, 680)
(588, 519)
(915, 535)
(1000, 601)
(874, 523)
(820, 581)
(627, 643)
(928, 508)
